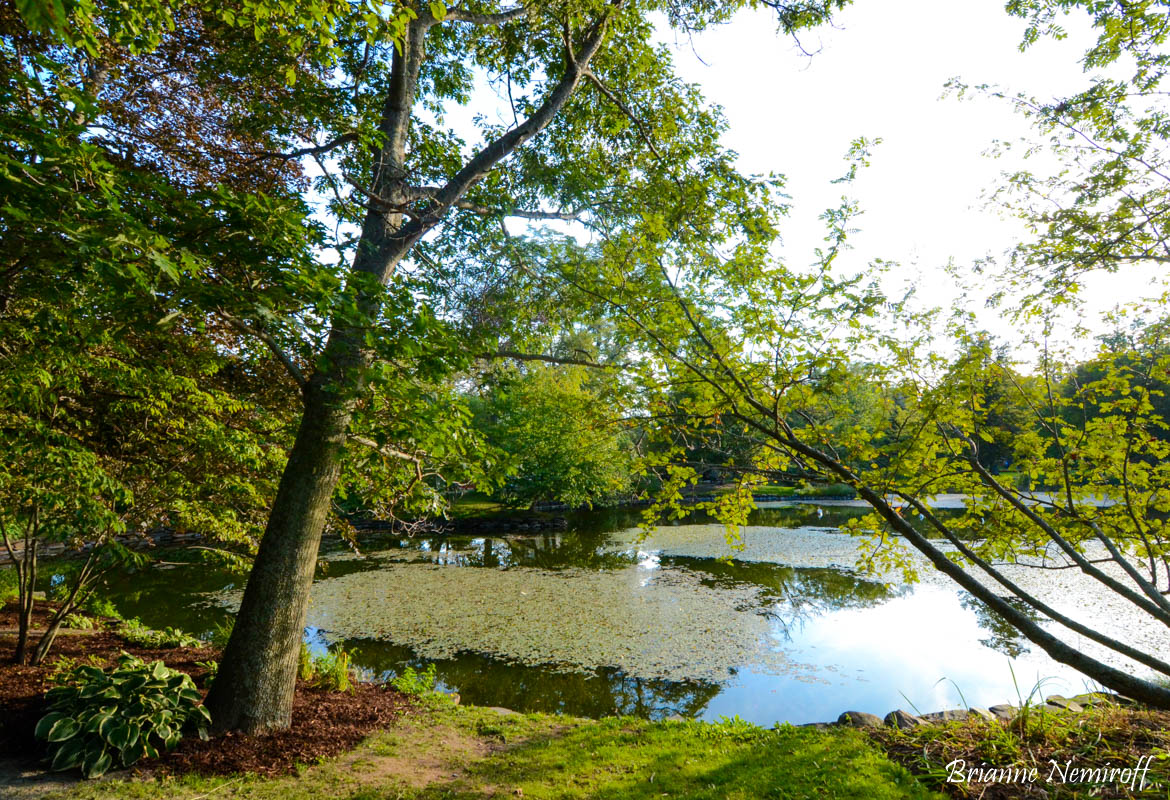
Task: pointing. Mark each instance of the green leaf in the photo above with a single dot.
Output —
(63, 729)
(68, 755)
(46, 723)
(97, 766)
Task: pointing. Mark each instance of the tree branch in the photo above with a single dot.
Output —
(461, 15)
(333, 144)
(385, 449)
(548, 359)
(272, 344)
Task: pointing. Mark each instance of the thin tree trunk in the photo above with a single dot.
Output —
(27, 585)
(79, 591)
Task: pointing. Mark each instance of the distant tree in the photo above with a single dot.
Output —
(563, 439)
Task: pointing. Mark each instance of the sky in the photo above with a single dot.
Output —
(881, 72)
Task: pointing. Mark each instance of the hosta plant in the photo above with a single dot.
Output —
(101, 719)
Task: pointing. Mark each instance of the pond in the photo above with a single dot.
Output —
(596, 620)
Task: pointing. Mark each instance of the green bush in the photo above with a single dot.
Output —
(222, 632)
(97, 606)
(416, 683)
(101, 719)
(79, 622)
(8, 585)
(212, 668)
(137, 634)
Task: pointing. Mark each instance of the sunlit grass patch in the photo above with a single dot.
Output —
(466, 752)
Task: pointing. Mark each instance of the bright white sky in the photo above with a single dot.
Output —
(881, 73)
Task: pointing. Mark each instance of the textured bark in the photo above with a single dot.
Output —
(253, 691)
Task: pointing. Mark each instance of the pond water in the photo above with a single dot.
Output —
(596, 620)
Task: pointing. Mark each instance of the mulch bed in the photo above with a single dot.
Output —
(324, 724)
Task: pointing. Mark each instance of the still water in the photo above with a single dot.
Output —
(597, 620)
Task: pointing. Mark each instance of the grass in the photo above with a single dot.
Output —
(453, 753)
(474, 504)
(1102, 735)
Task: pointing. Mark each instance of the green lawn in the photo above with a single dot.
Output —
(475, 753)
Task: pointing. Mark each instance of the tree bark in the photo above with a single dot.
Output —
(253, 690)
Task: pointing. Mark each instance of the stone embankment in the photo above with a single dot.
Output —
(1053, 704)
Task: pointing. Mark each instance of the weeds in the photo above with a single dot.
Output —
(329, 671)
(416, 683)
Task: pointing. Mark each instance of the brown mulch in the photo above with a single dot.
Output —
(324, 724)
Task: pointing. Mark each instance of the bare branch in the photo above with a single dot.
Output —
(385, 449)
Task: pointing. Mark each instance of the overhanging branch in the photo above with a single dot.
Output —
(549, 359)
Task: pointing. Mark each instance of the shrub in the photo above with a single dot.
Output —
(416, 683)
(79, 622)
(222, 632)
(212, 668)
(137, 634)
(305, 663)
(103, 607)
(100, 719)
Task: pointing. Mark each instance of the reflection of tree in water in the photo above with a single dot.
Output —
(549, 550)
(791, 596)
(1004, 638)
(490, 682)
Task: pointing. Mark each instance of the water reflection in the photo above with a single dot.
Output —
(1004, 637)
(792, 596)
(866, 645)
(480, 680)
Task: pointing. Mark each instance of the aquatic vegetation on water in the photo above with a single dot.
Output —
(648, 623)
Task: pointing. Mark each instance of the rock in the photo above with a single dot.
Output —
(950, 715)
(859, 719)
(903, 720)
(984, 713)
(1064, 703)
(500, 710)
(820, 726)
(1004, 711)
(1094, 698)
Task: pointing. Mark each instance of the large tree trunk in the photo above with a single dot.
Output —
(253, 691)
